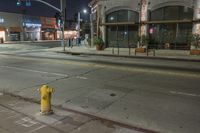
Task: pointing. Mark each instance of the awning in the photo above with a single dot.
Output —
(15, 29)
(48, 29)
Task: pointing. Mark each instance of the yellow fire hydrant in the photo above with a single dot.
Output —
(45, 93)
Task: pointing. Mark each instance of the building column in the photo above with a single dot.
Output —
(103, 27)
(98, 21)
(91, 30)
(196, 25)
(143, 16)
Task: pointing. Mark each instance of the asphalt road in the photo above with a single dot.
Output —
(159, 95)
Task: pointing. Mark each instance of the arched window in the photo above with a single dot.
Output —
(122, 35)
(122, 16)
(172, 13)
(175, 33)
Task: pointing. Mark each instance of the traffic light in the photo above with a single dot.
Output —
(19, 3)
(59, 20)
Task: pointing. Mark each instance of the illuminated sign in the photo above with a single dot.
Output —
(31, 25)
(151, 31)
(2, 20)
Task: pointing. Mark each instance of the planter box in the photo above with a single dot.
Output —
(99, 47)
(140, 50)
(195, 52)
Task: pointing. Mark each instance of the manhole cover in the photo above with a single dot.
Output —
(112, 94)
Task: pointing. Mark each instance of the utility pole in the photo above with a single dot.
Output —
(62, 9)
(79, 27)
(91, 30)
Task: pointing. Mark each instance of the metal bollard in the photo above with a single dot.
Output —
(118, 49)
(154, 52)
(45, 94)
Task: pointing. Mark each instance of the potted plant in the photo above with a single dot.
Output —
(194, 41)
(99, 43)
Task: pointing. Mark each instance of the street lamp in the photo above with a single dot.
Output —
(84, 11)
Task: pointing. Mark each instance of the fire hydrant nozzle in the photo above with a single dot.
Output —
(45, 94)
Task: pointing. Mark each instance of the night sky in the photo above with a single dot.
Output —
(39, 9)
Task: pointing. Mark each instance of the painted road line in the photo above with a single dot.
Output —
(36, 71)
(79, 77)
(185, 94)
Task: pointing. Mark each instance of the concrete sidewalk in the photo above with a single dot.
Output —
(125, 52)
(22, 116)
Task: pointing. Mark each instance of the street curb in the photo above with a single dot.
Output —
(137, 57)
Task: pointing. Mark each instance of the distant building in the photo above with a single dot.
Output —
(119, 22)
(48, 29)
(19, 27)
(11, 28)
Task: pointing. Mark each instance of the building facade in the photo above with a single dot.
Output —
(31, 28)
(164, 21)
(19, 27)
(11, 28)
(48, 29)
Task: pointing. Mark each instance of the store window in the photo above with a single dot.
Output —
(186, 13)
(122, 35)
(172, 13)
(157, 14)
(123, 16)
(111, 18)
(173, 35)
(2, 36)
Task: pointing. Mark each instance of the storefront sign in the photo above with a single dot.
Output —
(2, 20)
(31, 22)
(48, 22)
(32, 25)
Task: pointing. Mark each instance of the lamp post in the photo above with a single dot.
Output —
(85, 11)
